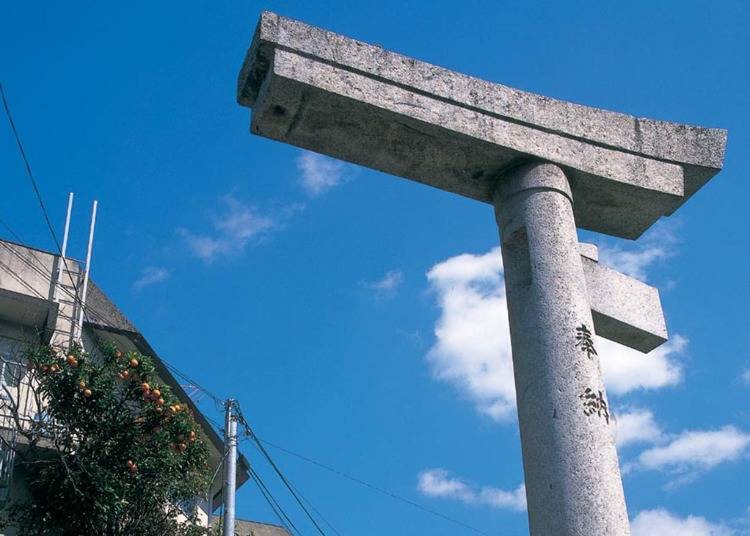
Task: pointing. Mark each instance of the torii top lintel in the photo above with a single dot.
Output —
(358, 102)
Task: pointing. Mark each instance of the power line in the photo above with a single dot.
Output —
(37, 192)
(275, 467)
(10, 230)
(373, 487)
(312, 506)
(193, 383)
(34, 184)
(273, 503)
(28, 166)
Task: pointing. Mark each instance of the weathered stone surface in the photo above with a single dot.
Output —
(570, 463)
(360, 103)
(590, 251)
(625, 310)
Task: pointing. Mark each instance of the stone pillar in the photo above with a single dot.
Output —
(573, 483)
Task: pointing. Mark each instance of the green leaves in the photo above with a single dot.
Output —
(125, 452)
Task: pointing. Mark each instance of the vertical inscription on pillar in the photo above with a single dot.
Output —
(585, 340)
(594, 403)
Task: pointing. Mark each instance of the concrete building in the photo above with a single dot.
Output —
(35, 309)
(253, 528)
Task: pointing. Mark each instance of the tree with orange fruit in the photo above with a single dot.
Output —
(117, 452)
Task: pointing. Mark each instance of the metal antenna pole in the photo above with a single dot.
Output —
(230, 474)
(79, 331)
(61, 262)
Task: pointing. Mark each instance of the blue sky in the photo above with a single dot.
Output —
(328, 298)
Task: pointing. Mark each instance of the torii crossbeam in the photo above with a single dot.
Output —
(547, 166)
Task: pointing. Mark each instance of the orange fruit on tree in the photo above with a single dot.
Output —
(87, 393)
(156, 393)
(82, 384)
(134, 362)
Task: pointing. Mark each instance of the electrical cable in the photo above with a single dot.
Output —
(34, 184)
(273, 503)
(291, 489)
(311, 505)
(372, 487)
(28, 166)
(283, 478)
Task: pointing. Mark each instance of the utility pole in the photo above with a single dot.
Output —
(230, 466)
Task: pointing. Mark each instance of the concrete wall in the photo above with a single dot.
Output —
(252, 528)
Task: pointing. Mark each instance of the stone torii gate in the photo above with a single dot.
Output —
(547, 167)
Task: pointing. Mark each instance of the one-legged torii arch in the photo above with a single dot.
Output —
(547, 167)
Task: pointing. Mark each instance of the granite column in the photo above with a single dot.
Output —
(573, 483)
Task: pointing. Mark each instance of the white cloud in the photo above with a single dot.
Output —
(320, 173)
(695, 451)
(746, 376)
(387, 285)
(659, 522)
(684, 456)
(631, 262)
(472, 349)
(635, 258)
(234, 228)
(150, 276)
(439, 483)
(627, 370)
(637, 426)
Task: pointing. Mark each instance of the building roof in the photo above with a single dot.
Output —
(254, 528)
